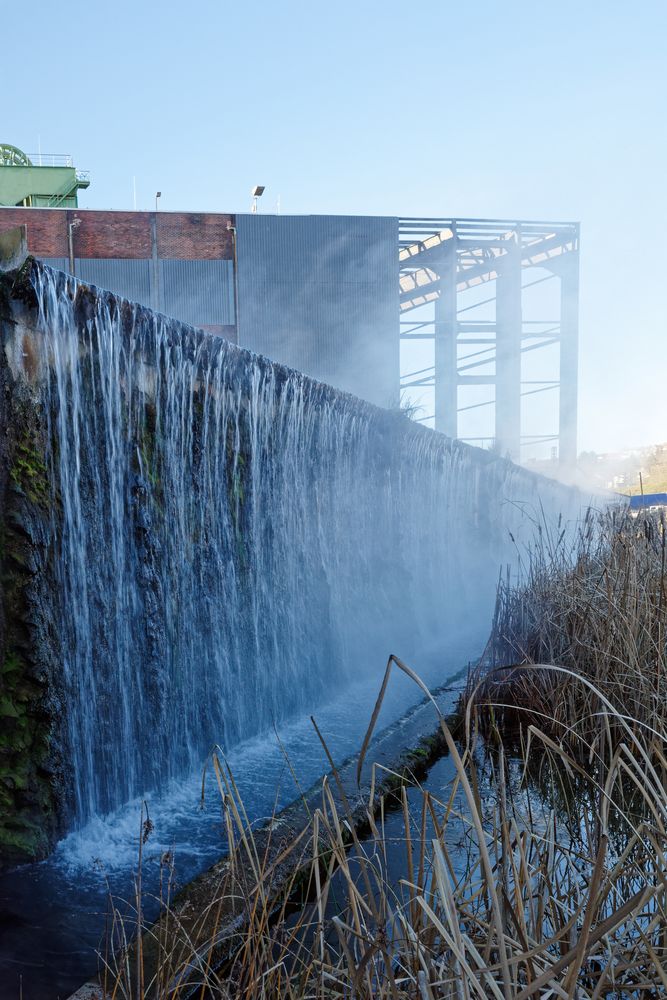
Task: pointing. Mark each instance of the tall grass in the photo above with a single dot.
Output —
(539, 870)
(597, 609)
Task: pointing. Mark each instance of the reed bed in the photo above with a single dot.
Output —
(537, 870)
(595, 608)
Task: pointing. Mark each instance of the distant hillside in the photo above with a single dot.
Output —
(653, 473)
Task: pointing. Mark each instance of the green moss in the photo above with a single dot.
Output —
(238, 491)
(237, 477)
(29, 472)
(7, 709)
(12, 777)
(29, 789)
(21, 840)
(148, 451)
(149, 460)
(11, 665)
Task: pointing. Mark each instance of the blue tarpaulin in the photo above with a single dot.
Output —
(648, 500)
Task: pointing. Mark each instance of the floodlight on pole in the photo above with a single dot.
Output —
(158, 194)
(256, 193)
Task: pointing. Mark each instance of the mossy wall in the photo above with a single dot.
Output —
(336, 525)
(33, 787)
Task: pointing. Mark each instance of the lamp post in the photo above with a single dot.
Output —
(158, 194)
(74, 224)
(232, 229)
(256, 193)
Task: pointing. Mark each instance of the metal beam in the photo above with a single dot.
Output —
(486, 268)
(569, 348)
(488, 251)
(508, 352)
(446, 334)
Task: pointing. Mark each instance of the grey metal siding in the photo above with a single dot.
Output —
(59, 263)
(320, 293)
(200, 292)
(129, 278)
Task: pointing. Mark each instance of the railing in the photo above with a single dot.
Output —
(65, 190)
(51, 159)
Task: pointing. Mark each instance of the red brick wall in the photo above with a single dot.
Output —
(194, 236)
(180, 235)
(47, 229)
(111, 234)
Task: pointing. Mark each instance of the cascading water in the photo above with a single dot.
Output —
(235, 541)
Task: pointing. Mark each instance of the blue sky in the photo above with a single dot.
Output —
(530, 110)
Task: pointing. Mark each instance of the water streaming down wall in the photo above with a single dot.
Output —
(231, 541)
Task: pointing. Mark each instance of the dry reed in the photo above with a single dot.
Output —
(517, 881)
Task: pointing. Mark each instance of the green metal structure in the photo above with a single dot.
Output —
(48, 180)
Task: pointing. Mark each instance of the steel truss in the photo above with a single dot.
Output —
(439, 261)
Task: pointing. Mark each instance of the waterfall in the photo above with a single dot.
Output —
(234, 541)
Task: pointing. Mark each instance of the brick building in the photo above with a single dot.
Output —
(318, 293)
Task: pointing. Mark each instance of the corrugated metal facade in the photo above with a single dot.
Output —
(129, 278)
(199, 292)
(320, 293)
(60, 263)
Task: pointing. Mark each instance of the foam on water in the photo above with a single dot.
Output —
(264, 768)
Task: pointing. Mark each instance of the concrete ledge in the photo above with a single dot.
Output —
(89, 991)
(13, 248)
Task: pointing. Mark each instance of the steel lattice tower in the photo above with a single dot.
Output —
(440, 261)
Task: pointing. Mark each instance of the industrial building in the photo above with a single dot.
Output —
(350, 300)
(465, 287)
(42, 181)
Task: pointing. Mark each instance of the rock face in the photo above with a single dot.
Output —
(197, 543)
(34, 784)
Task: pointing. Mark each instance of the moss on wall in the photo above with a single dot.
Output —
(33, 795)
(28, 471)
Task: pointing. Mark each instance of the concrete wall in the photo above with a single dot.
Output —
(444, 505)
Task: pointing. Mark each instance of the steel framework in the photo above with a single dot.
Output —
(442, 259)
